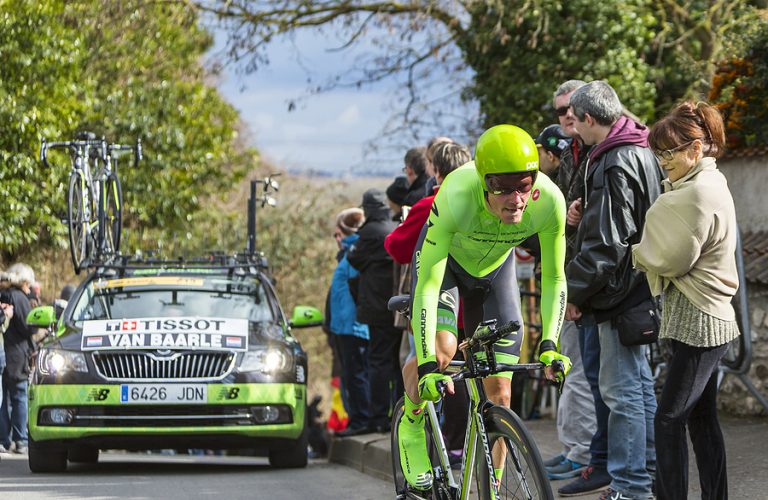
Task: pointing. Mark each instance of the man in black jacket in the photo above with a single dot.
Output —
(622, 179)
(374, 289)
(18, 348)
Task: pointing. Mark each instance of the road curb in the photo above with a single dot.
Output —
(367, 453)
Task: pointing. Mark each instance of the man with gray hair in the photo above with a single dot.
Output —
(582, 417)
(595, 476)
(623, 179)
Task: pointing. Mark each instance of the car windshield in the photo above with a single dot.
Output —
(171, 296)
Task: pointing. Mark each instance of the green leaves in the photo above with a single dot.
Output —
(124, 72)
(521, 55)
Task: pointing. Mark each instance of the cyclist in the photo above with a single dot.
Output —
(482, 211)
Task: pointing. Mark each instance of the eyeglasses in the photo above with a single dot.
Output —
(505, 184)
(562, 110)
(668, 154)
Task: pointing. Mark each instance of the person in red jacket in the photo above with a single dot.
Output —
(400, 244)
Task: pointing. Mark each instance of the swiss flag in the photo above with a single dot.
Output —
(129, 325)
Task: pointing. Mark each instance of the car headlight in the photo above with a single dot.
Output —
(269, 361)
(57, 361)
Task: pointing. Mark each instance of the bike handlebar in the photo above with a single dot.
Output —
(72, 145)
(138, 153)
(106, 149)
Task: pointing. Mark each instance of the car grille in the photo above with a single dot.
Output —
(178, 366)
(199, 416)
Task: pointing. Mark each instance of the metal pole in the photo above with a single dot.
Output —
(252, 219)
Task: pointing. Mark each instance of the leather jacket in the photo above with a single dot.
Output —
(619, 188)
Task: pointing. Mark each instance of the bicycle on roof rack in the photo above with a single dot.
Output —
(94, 197)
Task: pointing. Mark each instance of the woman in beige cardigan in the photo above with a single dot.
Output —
(688, 254)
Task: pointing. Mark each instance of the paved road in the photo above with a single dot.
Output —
(746, 441)
(141, 476)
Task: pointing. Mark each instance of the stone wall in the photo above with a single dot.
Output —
(734, 396)
(748, 181)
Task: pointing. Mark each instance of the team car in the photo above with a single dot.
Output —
(182, 355)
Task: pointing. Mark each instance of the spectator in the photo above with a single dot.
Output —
(6, 313)
(401, 242)
(431, 184)
(623, 180)
(61, 303)
(18, 347)
(351, 336)
(570, 178)
(576, 407)
(35, 297)
(374, 289)
(415, 171)
(688, 254)
(396, 193)
(551, 143)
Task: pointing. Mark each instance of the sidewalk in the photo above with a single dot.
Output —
(746, 442)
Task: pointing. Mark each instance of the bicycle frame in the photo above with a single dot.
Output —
(476, 431)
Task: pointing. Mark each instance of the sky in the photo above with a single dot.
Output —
(329, 132)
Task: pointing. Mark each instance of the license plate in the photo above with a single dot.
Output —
(163, 393)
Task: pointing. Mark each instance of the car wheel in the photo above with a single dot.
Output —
(84, 455)
(292, 456)
(46, 459)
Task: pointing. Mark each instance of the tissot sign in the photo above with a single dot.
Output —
(187, 333)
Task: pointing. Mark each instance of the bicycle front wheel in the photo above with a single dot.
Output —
(523, 476)
(77, 220)
(440, 488)
(113, 215)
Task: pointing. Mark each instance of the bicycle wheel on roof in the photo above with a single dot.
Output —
(78, 214)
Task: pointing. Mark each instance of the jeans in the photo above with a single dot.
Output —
(690, 397)
(354, 379)
(576, 409)
(589, 344)
(13, 412)
(626, 385)
(384, 375)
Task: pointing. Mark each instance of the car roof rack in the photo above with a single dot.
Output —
(234, 264)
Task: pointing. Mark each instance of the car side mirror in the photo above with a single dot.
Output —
(305, 317)
(42, 316)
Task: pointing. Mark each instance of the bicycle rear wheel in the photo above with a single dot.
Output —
(77, 220)
(523, 476)
(113, 215)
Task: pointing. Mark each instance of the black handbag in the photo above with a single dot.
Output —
(639, 325)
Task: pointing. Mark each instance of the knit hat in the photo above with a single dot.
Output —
(349, 220)
(397, 191)
(373, 199)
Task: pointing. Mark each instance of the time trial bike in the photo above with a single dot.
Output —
(496, 437)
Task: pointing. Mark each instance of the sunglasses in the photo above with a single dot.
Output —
(562, 110)
(668, 154)
(505, 184)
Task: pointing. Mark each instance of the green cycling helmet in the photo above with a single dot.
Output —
(505, 149)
